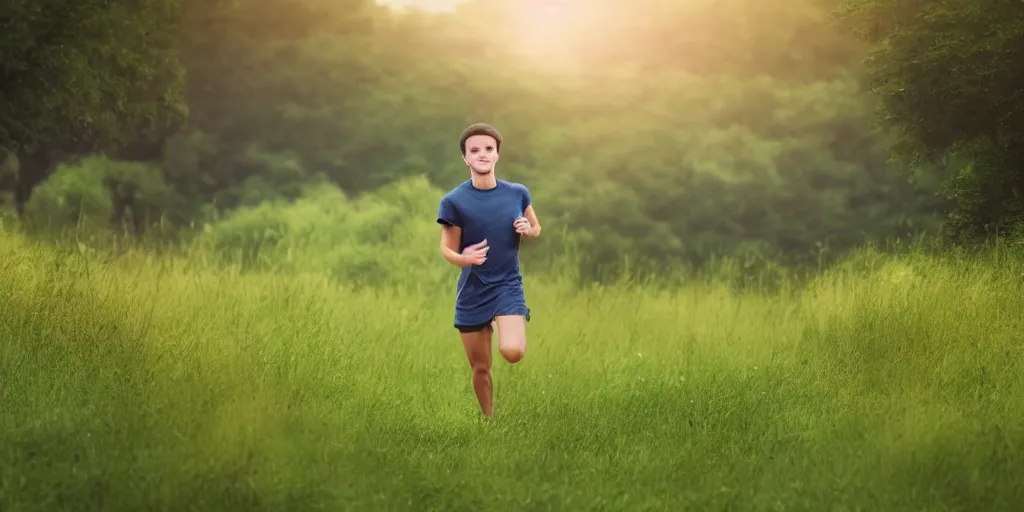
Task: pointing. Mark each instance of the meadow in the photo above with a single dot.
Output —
(145, 381)
(276, 333)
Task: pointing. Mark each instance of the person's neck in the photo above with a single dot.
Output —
(484, 182)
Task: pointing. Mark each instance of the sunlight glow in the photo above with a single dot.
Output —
(542, 31)
(425, 5)
(545, 14)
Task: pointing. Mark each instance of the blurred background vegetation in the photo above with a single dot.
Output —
(655, 135)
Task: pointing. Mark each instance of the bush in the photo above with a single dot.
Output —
(382, 238)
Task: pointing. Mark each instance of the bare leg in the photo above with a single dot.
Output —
(511, 337)
(478, 350)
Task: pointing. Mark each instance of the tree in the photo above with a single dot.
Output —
(86, 76)
(951, 82)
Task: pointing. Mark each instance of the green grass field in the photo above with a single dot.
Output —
(146, 383)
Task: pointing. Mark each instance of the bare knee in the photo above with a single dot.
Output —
(511, 337)
(481, 369)
(513, 353)
(480, 365)
(478, 352)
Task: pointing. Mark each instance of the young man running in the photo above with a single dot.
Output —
(482, 221)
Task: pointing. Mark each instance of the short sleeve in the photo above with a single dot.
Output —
(527, 199)
(447, 214)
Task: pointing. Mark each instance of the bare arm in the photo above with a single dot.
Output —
(450, 236)
(531, 216)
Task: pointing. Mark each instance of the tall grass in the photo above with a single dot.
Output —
(146, 382)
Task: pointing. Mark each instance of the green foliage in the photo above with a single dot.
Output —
(298, 78)
(85, 191)
(756, 145)
(86, 77)
(763, 165)
(375, 239)
(949, 75)
(88, 74)
(654, 136)
(701, 145)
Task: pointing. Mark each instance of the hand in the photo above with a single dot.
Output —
(522, 226)
(476, 254)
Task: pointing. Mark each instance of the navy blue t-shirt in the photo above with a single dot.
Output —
(496, 287)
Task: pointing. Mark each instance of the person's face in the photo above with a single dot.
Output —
(481, 154)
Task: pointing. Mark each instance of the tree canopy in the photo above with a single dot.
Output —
(83, 77)
(951, 80)
(660, 131)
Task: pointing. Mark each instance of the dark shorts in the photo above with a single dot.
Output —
(480, 327)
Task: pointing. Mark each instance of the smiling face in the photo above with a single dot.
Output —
(481, 154)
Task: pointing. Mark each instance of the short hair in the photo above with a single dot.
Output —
(479, 129)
